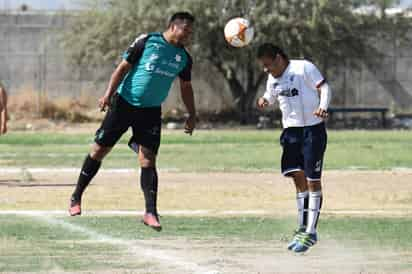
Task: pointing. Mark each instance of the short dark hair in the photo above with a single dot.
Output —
(182, 15)
(270, 50)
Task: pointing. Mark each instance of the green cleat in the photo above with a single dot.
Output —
(297, 234)
(306, 241)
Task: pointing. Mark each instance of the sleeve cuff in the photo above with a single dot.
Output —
(269, 98)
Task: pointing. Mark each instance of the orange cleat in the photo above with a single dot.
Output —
(152, 220)
(75, 208)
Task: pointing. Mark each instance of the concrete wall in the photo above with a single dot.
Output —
(31, 58)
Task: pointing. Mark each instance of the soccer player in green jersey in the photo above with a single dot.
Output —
(137, 88)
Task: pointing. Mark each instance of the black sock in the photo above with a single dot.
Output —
(320, 207)
(305, 210)
(302, 201)
(89, 169)
(148, 183)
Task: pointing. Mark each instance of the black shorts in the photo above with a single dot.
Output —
(303, 149)
(145, 123)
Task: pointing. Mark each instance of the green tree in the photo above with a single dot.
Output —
(105, 27)
(324, 31)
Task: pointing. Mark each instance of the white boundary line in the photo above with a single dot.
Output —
(11, 170)
(136, 247)
(206, 212)
(40, 170)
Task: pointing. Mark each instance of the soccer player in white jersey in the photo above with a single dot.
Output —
(303, 95)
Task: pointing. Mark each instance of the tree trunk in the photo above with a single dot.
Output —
(243, 95)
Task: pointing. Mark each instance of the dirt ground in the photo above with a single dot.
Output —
(383, 193)
(356, 192)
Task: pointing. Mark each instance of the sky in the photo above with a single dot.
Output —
(41, 4)
(406, 3)
(73, 4)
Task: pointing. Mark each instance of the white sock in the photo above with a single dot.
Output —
(315, 204)
(302, 204)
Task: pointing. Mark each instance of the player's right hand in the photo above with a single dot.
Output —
(190, 124)
(262, 103)
(104, 102)
(321, 113)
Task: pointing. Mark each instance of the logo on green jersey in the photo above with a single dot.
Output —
(100, 134)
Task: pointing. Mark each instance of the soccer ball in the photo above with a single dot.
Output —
(238, 32)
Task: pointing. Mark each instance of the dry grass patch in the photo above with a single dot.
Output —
(29, 104)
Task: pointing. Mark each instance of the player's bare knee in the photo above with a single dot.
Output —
(146, 163)
(147, 158)
(298, 176)
(300, 181)
(98, 152)
(314, 185)
(294, 174)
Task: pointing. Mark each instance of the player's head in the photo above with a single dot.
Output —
(181, 26)
(273, 59)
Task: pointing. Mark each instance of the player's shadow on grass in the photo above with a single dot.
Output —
(19, 183)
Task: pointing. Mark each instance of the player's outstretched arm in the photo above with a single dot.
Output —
(115, 80)
(188, 99)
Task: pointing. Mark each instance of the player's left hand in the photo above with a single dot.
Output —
(3, 122)
(104, 102)
(3, 129)
(321, 113)
(190, 124)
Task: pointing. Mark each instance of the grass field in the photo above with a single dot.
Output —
(236, 211)
(202, 245)
(221, 150)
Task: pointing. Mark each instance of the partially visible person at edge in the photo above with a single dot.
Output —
(3, 110)
(137, 88)
(303, 95)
